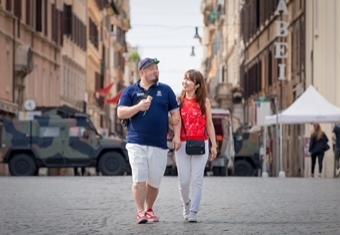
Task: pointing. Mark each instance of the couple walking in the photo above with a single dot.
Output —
(190, 117)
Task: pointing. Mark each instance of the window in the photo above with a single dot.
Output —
(49, 131)
(93, 31)
(45, 18)
(9, 5)
(28, 13)
(68, 19)
(38, 17)
(76, 131)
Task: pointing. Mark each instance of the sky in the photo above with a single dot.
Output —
(165, 30)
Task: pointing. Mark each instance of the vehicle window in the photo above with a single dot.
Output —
(49, 131)
(76, 131)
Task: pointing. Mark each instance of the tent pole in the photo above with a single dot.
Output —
(281, 173)
(277, 136)
(264, 163)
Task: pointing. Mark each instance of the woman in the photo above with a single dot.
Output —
(195, 110)
(317, 147)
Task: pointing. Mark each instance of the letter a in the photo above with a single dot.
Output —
(281, 7)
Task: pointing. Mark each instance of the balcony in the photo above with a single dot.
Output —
(224, 95)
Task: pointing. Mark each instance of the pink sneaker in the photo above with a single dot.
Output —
(150, 215)
(141, 217)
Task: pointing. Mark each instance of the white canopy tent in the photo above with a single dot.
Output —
(310, 107)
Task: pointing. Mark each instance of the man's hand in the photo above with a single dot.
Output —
(213, 153)
(144, 105)
(176, 143)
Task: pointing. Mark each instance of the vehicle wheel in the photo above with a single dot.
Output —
(22, 165)
(128, 170)
(112, 163)
(216, 171)
(243, 168)
(36, 173)
(223, 171)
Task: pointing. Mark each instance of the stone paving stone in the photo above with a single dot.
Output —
(230, 205)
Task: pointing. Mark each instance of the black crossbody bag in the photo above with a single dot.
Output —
(125, 122)
(193, 147)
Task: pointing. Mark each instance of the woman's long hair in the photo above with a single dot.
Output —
(317, 132)
(201, 91)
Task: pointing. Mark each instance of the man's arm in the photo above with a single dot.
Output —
(176, 127)
(176, 140)
(125, 112)
(126, 109)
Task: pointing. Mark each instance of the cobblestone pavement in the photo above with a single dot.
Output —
(104, 205)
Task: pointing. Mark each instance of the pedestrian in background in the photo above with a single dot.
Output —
(146, 136)
(336, 139)
(195, 111)
(317, 147)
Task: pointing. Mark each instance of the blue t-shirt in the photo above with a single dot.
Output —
(150, 129)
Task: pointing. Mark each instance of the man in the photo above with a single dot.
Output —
(336, 139)
(147, 131)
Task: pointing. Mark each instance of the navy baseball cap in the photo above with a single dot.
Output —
(146, 62)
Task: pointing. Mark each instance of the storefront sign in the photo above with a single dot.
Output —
(281, 48)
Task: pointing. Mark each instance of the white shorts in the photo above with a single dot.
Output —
(147, 163)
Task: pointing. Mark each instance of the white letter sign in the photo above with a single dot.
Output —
(281, 7)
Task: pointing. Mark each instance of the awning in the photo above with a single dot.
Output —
(115, 99)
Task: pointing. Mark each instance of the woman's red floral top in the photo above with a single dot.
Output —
(193, 120)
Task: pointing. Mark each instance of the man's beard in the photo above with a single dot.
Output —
(155, 80)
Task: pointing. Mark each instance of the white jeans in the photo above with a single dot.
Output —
(190, 175)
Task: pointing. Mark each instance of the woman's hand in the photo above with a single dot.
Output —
(213, 153)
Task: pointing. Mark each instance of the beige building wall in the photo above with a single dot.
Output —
(322, 60)
(93, 62)
(74, 57)
(20, 26)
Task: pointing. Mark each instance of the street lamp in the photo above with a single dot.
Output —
(192, 51)
(196, 33)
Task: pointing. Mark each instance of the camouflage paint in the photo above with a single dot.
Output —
(61, 150)
(248, 145)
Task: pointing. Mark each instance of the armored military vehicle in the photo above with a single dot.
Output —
(59, 141)
(247, 152)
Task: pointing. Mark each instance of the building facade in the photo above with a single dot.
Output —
(108, 22)
(222, 49)
(30, 41)
(119, 60)
(73, 54)
(322, 59)
(273, 65)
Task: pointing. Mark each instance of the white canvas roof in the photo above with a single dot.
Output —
(310, 107)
